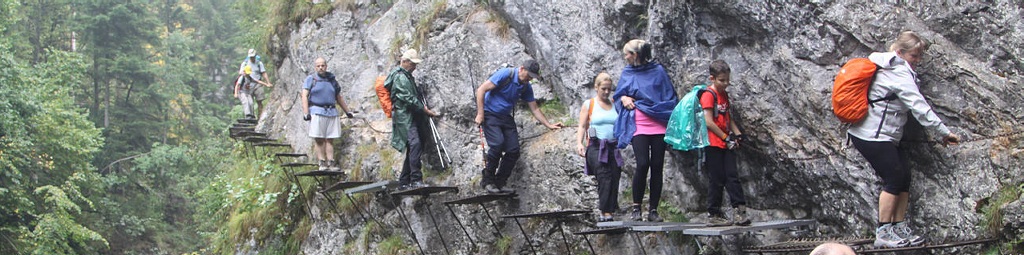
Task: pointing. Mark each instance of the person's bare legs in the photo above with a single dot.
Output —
(319, 148)
(887, 206)
(902, 203)
(328, 150)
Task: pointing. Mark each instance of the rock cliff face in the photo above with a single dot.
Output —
(783, 55)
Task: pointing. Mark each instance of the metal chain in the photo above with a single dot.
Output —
(778, 156)
(782, 157)
(371, 126)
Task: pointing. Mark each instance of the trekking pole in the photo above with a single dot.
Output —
(483, 151)
(442, 153)
(440, 142)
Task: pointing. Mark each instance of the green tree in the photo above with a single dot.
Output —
(119, 38)
(45, 27)
(167, 138)
(46, 146)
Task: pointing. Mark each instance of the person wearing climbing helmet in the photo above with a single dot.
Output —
(252, 77)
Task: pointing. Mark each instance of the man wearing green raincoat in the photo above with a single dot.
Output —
(406, 117)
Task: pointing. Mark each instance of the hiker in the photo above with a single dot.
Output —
(252, 77)
(407, 118)
(833, 249)
(644, 100)
(720, 156)
(321, 94)
(495, 100)
(877, 137)
(246, 88)
(594, 141)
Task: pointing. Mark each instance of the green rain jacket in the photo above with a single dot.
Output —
(405, 102)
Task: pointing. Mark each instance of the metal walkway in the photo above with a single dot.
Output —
(859, 245)
(481, 200)
(424, 192)
(558, 216)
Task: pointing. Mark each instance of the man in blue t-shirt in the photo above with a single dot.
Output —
(495, 100)
(321, 94)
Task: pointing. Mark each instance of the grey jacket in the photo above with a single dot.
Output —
(885, 119)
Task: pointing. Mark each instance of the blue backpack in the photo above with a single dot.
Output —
(687, 129)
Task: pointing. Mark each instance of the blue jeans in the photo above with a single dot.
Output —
(503, 140)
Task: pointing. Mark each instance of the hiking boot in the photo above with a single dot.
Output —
(903, 231)
(490, 188)
(417, 184)
(402, 187)
(605, 218)
(636, 215)
(323, 165)
(718, 221)
(652, 216)
(333, 166)
(739, 217)
(507, 190)
(885, 237)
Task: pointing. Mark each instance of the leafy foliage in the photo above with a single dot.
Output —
(46, 146)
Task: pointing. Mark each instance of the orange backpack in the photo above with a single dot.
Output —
(850, 90)
(383, 95)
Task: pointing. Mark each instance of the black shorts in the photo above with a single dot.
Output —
(884, 157)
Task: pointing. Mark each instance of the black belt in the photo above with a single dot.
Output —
(325, 106)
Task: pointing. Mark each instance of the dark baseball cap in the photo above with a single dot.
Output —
(533, 68)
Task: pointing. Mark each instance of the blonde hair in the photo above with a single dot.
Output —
(641, 48)
(909, 40)
(601, 77)
(633, 46)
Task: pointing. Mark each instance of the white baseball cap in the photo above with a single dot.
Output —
(412, 55)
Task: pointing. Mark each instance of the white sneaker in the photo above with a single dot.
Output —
(903, 230)
(885, 237)
(323, 165)
(333, 166)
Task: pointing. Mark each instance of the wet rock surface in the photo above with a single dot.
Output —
(783, 55)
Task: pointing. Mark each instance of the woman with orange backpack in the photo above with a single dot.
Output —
(877, 136)
(596, 143)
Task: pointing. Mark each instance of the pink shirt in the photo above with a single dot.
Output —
(647, 126)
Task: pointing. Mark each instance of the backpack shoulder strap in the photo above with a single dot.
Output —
(337, 86)
(590, 111)
(714, 100)
(507, 80)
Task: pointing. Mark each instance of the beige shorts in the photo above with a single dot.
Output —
(324, 127)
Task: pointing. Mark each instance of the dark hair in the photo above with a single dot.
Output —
(718, 67)
(644, 53)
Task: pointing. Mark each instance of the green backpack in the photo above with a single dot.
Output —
(687, 129)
